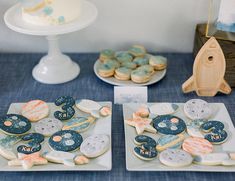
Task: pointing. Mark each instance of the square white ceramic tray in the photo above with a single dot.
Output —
(135, 164)
(101, 126)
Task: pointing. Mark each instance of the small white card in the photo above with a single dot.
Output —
(131, 94)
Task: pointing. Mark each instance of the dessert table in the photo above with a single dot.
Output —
(18, 85)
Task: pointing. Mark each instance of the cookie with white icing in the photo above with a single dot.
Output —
(197, 109)
(95, 145)
(175, 158)
(66, 140)
(87, 105)
(35, 110)
(48, 126)
(211, 159)
(162, 109)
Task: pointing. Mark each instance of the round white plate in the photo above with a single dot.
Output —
(14, 21)
(158, 75)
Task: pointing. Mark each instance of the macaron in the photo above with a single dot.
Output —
(141, 61)
(124, 57)
(148, 68)
(137, 50)
(106, 54)
(113, 63)
(140, 76)
(106, 70)
(130, 65)
(123, 73)
(158, 62)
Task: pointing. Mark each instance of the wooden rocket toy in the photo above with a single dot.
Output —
(208, 71)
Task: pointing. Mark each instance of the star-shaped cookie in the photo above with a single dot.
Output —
(141, 124)
(28, 161)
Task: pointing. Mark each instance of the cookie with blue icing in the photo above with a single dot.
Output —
(106, 54)
(158, 62)
(113, 63)
(130, 65)
(146, 149)
(169, 141)
(34, 143)
(106, 70)
(79, 124)
(140, 76)
(124, 57)
(169, 124)
(13, 124)
(123, 73)
(194, 128)
(66, 140)
(147, 68)
(137, 50)
(215, 132)
(141, 61)
(67, 104)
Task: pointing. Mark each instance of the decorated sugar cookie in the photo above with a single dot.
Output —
(169, 125)
(146, 149)
(13, 124)
(66, 140)
(95, 145)
(211, 159)
(215, 132)
(87, 105)
(6, 145)
(79, 124)
(34, 143)
(197, 146)
(48, 126)
(197, 109)
(175, 158)
(194, 128)
(170, 141)
(81, 160)
(35, 110)
(142, 111)
(28, 160)
(141, 124)
(163, 109)
(67, 103)
(105, 111)
(61, 157)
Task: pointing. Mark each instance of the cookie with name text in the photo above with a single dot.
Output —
(35, 110)
(169, 141)
(175, 158)
(169, 124)
(14, 124)
(95, 145)
(146, 149)
(66, 140)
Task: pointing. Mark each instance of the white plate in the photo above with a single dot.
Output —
(135, 164)
(101, 126)
(158, 75)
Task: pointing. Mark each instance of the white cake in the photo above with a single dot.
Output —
(50, 12)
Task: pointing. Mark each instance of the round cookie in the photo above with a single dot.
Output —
(106, 54)
(48, 126)
(197, 146)
(169, 124)
(147, 68)
(170, 141)
(95, 145)
(175, 158)
(146, 149)
(215, 132)
(194, 128)
(13, 124)
(123, 73)
(113, 63)
(66, 140)
(124, 57)
(106, 70)
(87, 105)
(163, 109)
(35, 110)
(139, 61)
(158, 62)
(79, 124)
(137, 51)
(130, 65)
(197, 109)
(140, 76)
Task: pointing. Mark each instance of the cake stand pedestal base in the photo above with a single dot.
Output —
(55, 68)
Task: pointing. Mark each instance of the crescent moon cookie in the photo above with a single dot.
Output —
(67, 104)
(194, 128)
(163, 109)
(13, 124)
(48, 126)
(141, 124)
(79, 124)
(175, 158)
(215, 132)
(66, 140)
(35, 110)
(146, 149)
(95, 145)
(169, 124)
(170, 141)
(197, 109)
(197, 146)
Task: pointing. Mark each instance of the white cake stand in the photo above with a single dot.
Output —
(54, 68)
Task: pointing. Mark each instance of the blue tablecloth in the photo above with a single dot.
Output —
(17, 85)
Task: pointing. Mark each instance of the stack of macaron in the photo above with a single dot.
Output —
(178, 142)
(135, 64)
